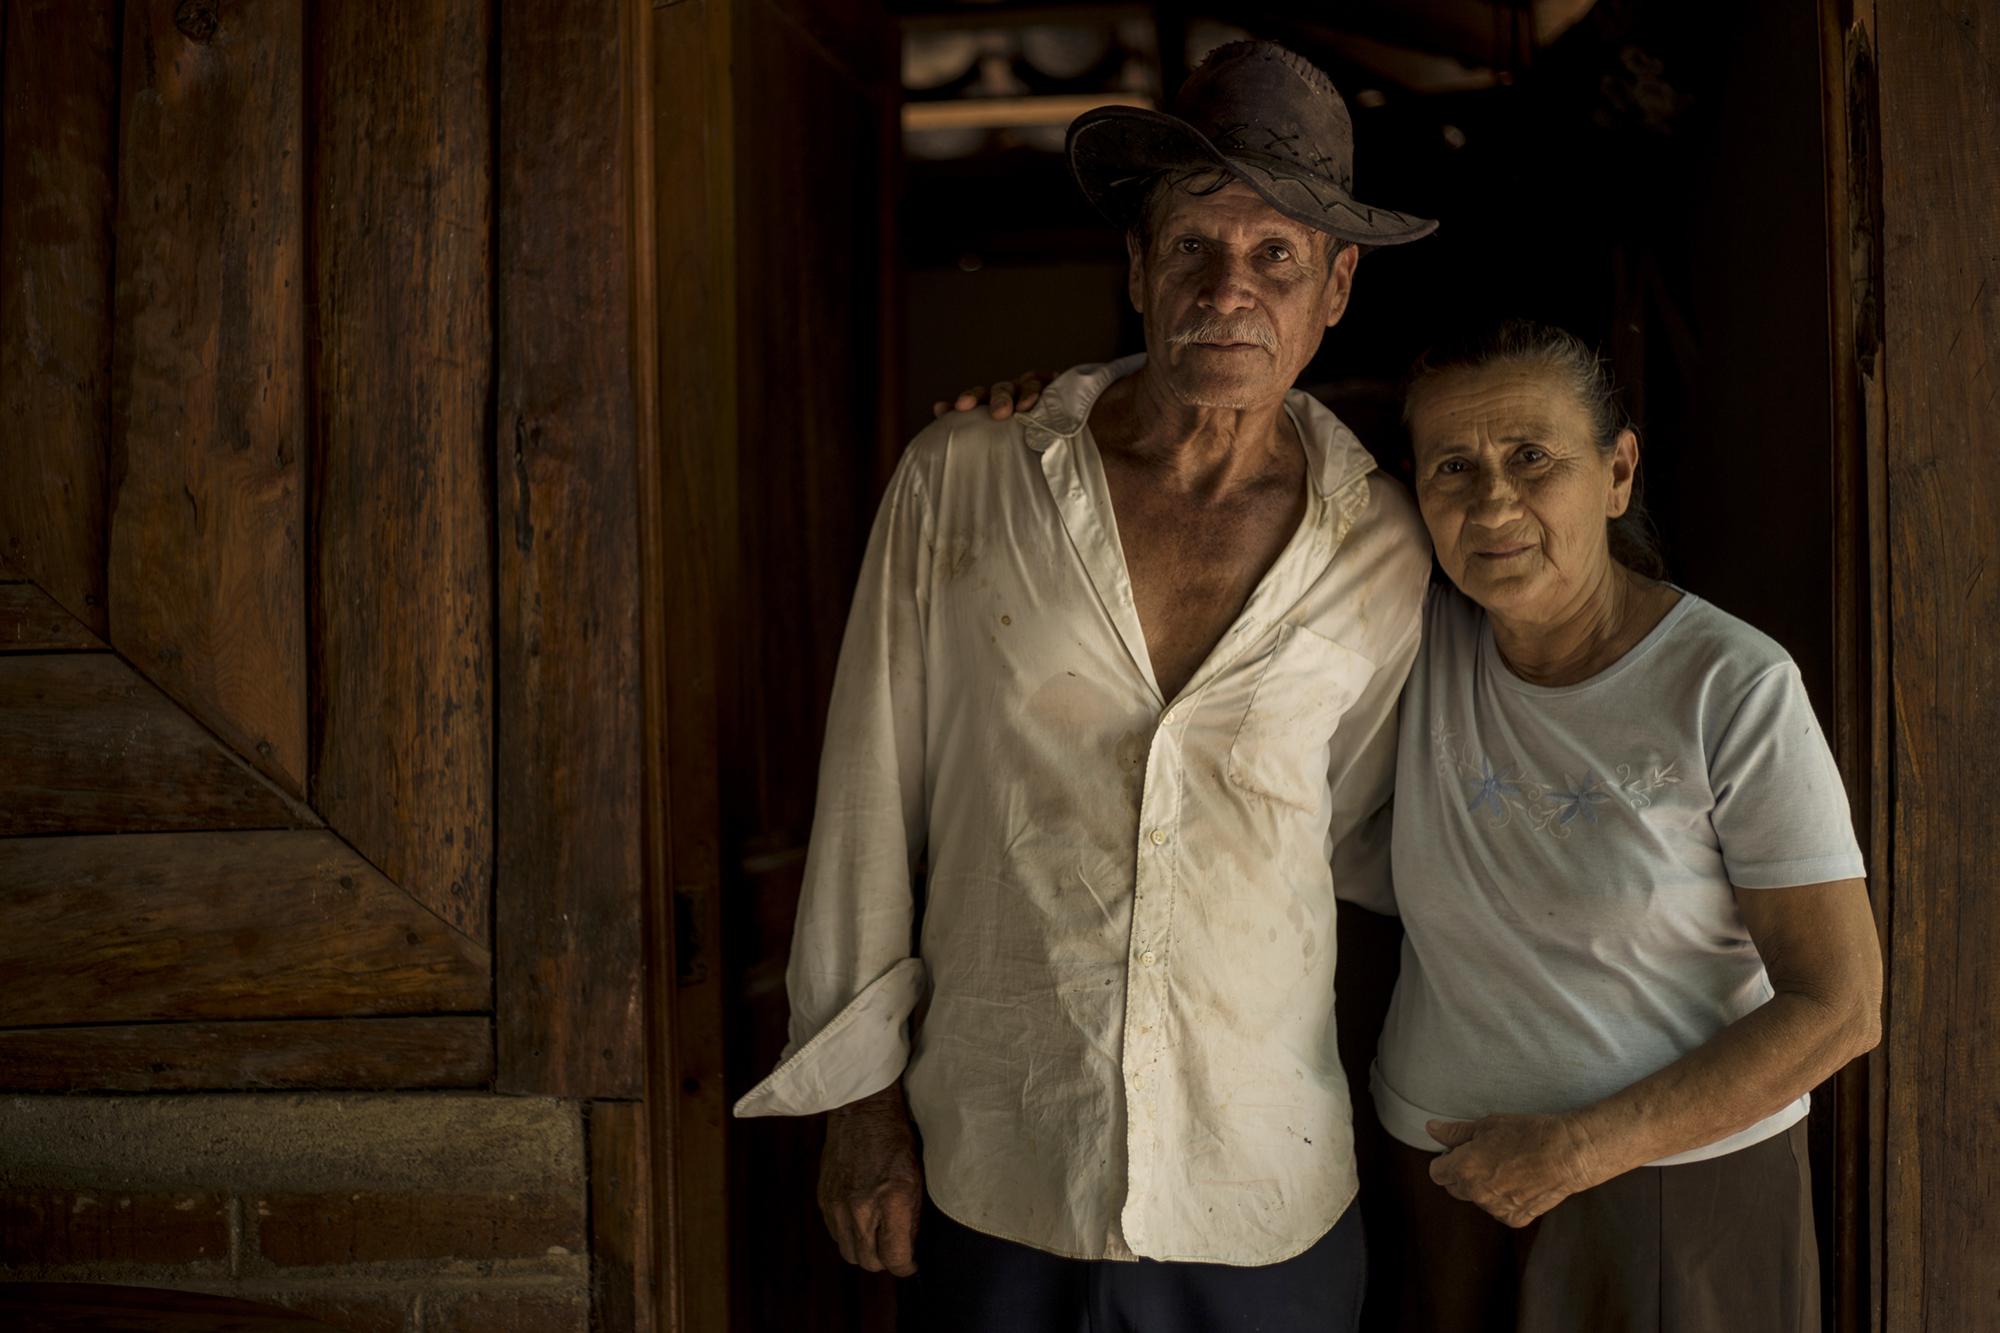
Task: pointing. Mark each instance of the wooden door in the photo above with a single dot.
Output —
(774, 124)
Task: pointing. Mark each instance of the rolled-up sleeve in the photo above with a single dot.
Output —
(852, 980)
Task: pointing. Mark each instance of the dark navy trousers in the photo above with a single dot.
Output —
(968, 1282)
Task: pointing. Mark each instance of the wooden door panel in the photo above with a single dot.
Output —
(58, 117)
(402, 642)
(567, 906)
(31, 622)
(207, 571)
(216, 926)
(92, 747)
(453, 1051)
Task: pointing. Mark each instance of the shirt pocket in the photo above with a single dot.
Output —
(1305, 685)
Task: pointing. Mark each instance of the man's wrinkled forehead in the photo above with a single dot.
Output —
(1229, 206)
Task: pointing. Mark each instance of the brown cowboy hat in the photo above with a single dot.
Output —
(1264, 114)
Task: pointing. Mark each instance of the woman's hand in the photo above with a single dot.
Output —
(1007, 397)
(1516, 1167)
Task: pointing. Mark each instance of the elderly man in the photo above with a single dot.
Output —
(1123, 671)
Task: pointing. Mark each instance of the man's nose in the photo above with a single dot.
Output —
(1226, 285)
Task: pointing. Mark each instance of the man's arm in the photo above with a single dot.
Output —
(852, 978)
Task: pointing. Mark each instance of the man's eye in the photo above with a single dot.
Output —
(1531, 454)
(1277, 254)
(1187, 245)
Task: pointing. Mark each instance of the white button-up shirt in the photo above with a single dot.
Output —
(1127, 926)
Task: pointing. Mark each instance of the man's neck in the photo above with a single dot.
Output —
(1193, 448)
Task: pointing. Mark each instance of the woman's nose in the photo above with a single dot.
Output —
(1494, 493)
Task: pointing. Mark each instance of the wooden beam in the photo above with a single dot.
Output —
(403, 595)
(58, 117)
(32, 622)
(692, 493)
(91, 747)
(207, 573)
(321, 1054)
(567, 893)
(219, 926)
(1939, 78)
(623, 1276)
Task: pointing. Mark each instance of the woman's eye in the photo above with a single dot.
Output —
(1532, 454)
(1451, 467)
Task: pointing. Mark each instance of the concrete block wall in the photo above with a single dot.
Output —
(379, 1213)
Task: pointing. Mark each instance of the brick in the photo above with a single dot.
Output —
(503, 1310)
(352, 1311)
(314, 1230)
(51, 1229)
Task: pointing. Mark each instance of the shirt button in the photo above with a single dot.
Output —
(1171, 715)
(1159, 837)
(1149, 958)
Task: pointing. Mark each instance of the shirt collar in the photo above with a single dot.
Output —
(1335, 459)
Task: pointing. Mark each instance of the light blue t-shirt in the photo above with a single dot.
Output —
(1564, 860)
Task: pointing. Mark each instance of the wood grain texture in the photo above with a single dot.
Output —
(1939, 70)
(207, 572)
(337, 1054)
(92, 747)
(622, 1243)
(403, 599)
(218, 926)
(568, 860)
(695, 167)
(31, 622)
(58, 116)
(810, 121)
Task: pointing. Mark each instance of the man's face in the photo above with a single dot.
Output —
(1235, 296)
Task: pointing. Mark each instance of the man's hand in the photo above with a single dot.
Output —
(1516, 1167)
(871, 1189)
(1007, 397)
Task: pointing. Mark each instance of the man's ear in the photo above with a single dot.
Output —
(1624, 467)
(1341, 280)
(1135, 271)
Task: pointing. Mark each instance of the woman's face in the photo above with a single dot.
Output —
(1513, 489)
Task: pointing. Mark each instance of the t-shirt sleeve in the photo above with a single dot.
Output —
(1781, 813)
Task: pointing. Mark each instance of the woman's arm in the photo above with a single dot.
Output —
(1819, 946)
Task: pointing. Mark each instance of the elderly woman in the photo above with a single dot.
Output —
(1636, 932)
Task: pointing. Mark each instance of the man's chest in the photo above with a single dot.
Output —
(1192, 566)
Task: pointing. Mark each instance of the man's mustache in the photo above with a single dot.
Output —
(1226, 329)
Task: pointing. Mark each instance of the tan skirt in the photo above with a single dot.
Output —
(1721, 1246)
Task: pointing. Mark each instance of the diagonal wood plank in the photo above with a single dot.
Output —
(403, 679)
(31, 622)
(58, 114)
(219, 925)
(92, 747)
(207, 572)
(342, 1053)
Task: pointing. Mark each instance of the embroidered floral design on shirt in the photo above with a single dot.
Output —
(1580, 798)
(1500, 794)
(1639, 788)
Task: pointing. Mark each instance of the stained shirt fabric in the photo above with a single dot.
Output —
(1127, 932)
(1567, 858)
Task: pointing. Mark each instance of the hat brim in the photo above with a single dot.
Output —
(1115, 150)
